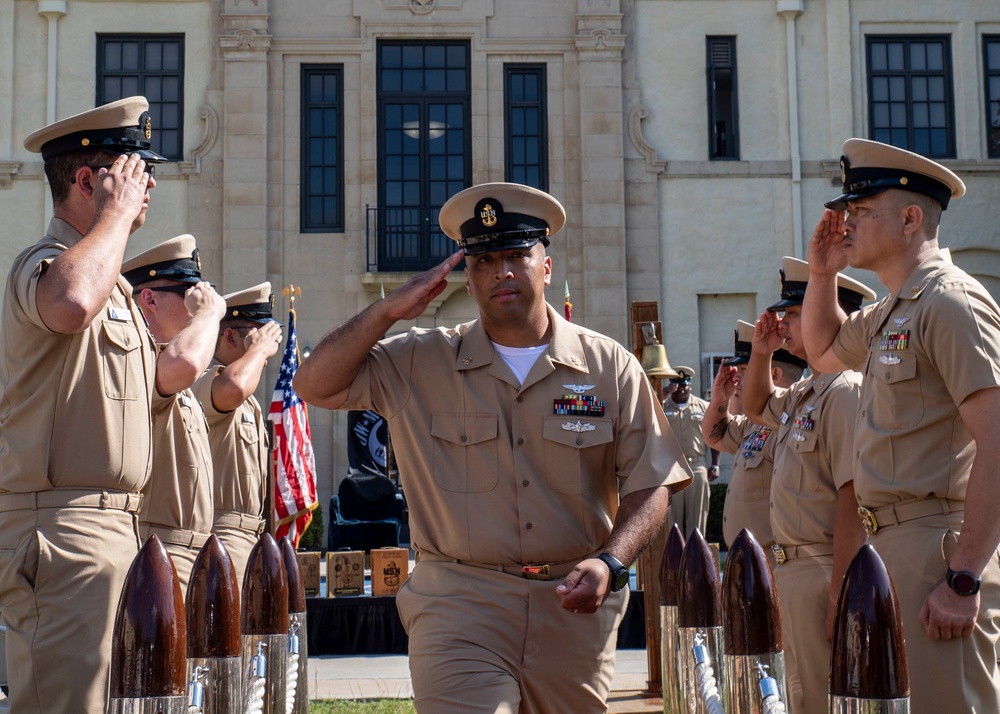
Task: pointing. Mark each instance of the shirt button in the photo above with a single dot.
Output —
(519, 400)
(520, 442)
(579, 441)
(463, 438)
(525, 482)
(528, 526)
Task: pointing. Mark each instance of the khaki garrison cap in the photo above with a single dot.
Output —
(794, 276)
(122, 127)
(255, 304)
(501, 216)
(869, 167)
(175, 259)
(684, 374)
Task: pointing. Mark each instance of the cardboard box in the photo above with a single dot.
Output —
(345, 573)
(390, 568)
(309, 568)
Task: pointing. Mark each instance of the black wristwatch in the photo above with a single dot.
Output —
(619, 573)
(963, 582)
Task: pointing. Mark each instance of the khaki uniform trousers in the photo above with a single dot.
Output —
(958, 675)
(61, 576)
(182, 546)
(804, 590)
(689, 508)
(485, 641)
(238, 543)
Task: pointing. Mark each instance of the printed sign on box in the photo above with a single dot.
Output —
(345, 573)
(309, 567)
(390, 568)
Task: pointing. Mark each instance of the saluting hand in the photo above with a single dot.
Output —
(766, 335)
(121, 188)
(947, 615)
(266, 339)
(826, 248)
(585, 589)
(202, 296)
(726, 380)
(412, 298)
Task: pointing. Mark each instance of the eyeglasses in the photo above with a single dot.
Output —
(150, 169)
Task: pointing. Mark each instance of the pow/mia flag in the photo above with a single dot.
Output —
(367, 442)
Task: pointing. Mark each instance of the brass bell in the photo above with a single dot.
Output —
(654, 356)
(655, 362)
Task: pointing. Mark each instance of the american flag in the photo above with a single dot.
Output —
(295, 465)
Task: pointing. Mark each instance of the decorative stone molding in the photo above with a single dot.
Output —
(211, 118)
(599, 33)
(422, 7)
(245, 42)
(635, 117)
(7, 171)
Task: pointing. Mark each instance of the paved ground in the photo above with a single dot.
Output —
(388, 677)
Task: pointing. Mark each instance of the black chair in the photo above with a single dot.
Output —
(366, 513)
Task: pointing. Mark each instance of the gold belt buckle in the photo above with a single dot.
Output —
(535, 572)
(779, 554)
(868, 520)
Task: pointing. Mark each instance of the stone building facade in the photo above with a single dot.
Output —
(692, 142)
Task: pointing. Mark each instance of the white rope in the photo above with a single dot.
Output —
(256, 684)
(255, 696)
(770, 702)
(293, 679)
(293, 665)
(707, 685)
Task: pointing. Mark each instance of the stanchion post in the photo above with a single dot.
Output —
(644, 312)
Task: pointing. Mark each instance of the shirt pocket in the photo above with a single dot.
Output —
(804, 444)
(897, 401)
(754, 485)
(123, 375)
(248, 432)
(569, 454)
(465, 452)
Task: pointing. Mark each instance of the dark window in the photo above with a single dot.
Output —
(723, 117)
(153, 66)
(991, 63)
(423, 152)
(910, 93)
(322, 190)
(526, 126)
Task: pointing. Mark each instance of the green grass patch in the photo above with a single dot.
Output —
(372, 706)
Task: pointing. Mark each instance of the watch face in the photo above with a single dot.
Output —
(621, 579)
(963, 582)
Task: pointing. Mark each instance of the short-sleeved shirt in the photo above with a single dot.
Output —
(922, 351)
(815, 420)
(74, 408)
(500, 472)
(685, 420)
(748, 497)
(239, 449)
(179, 494)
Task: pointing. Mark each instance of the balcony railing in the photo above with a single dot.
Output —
(403, 240)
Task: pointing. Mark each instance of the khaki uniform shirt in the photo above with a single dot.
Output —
(685, 420)
(748, 498)
(239, 444)
(492, 472)
(74, 409)
(179, 494)
(922, 352)
(813, 456)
